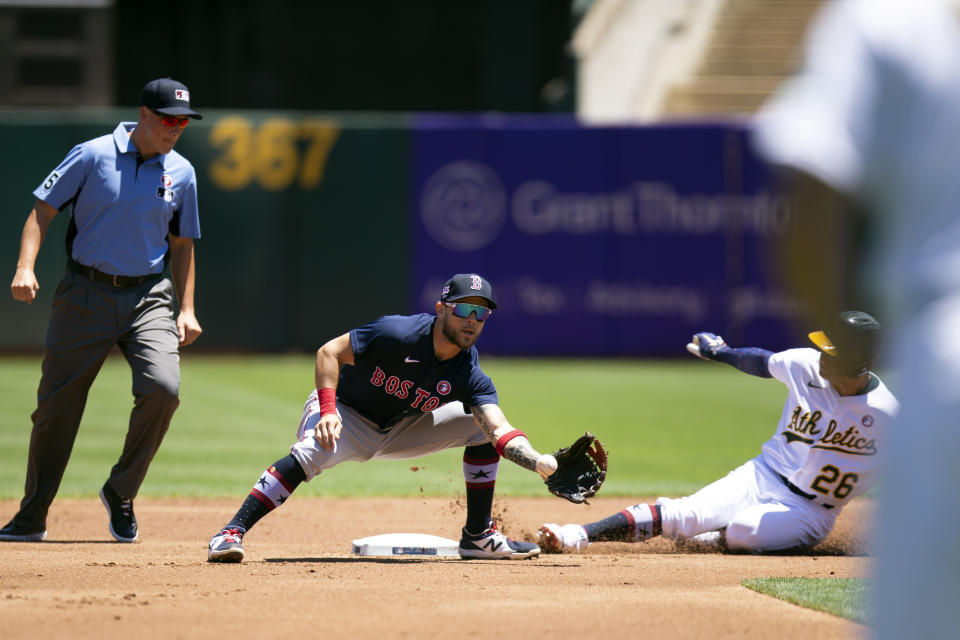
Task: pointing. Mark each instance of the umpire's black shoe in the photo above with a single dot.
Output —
(123, 524)
(15, 533)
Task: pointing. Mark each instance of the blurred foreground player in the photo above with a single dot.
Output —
(870, 127)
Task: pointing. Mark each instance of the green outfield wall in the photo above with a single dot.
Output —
(304, 221)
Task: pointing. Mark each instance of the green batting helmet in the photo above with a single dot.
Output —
(854, 339)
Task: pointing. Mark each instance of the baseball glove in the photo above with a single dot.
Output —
(581, 469)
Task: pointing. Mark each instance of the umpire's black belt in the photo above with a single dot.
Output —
(800, 492)
(118, 282)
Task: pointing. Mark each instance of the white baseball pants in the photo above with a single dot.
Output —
(758, 510)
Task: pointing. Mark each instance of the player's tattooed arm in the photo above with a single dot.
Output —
(494, 424)
(519, 450)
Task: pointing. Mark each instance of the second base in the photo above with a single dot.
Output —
(405, 544)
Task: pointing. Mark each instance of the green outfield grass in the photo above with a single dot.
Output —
(670, 426)
(844, 597)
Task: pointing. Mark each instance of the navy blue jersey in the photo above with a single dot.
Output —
(396, 373)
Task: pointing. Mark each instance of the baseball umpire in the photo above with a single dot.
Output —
(824, 452)
(134, 205)
(403, 387)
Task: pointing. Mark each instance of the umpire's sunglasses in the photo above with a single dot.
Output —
(464, 309)
(172, 121)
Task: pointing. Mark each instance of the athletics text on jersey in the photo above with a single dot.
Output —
(827, 445)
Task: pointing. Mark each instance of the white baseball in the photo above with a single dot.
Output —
(546, 465)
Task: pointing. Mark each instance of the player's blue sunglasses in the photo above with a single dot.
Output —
(464, 309)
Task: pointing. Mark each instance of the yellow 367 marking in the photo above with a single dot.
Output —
(273, 155)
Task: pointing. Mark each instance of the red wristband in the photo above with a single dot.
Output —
(507, 437)
(328, 400)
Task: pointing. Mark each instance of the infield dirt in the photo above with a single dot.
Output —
(300, 580)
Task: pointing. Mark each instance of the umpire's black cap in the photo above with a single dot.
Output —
(465, 285)
(169, 97)
(854, 340)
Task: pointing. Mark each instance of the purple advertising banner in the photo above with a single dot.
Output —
(599, 241)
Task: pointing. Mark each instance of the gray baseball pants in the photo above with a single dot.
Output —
(88, 318)
(360, 439)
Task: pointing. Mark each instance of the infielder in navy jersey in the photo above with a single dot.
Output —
(403, 387)
(826, 450)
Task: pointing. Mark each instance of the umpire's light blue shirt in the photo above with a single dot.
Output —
(123, 209)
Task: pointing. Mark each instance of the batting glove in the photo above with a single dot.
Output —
(706, 345)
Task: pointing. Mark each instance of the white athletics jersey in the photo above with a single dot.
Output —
(827, 445)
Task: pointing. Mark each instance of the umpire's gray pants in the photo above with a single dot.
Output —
(88, 318)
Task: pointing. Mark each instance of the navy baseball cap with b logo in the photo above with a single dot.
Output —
(169, 97)
(465, 285)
